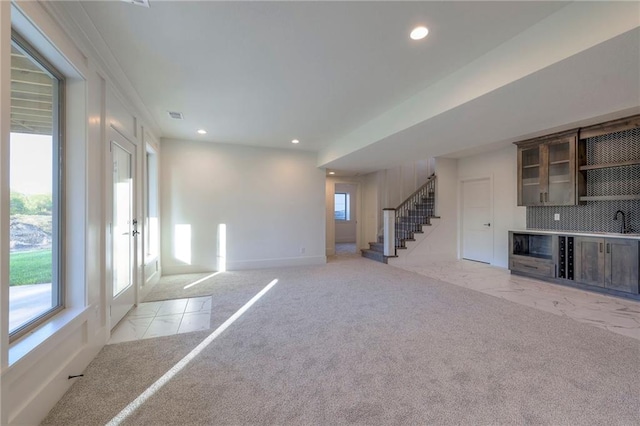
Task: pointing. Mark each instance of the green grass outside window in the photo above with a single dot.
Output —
(32, 267)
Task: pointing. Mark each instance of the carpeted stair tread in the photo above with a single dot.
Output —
(374, 255)
(379, 247)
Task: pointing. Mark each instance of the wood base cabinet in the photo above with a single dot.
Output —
(608, 262)
(621, 268)
(589, 261)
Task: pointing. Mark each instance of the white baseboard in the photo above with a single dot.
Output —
(238, 265)
(185, 269)
(276, 263)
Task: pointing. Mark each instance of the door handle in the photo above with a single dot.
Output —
(134, 233)
(487, 224)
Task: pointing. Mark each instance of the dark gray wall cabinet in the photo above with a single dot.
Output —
(547, 171)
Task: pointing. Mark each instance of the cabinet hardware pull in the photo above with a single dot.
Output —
(600, 247)
(541, 197)
(608, 248)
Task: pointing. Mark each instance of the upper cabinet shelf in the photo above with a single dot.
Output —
(609, 165)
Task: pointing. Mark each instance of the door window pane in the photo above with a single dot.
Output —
(122, 219)
(35, 289)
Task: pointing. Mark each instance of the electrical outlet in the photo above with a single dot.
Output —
(556, 216)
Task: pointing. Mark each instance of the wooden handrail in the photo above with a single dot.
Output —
(417, 191)
(392, 230)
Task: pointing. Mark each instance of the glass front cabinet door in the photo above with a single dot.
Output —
(547, 171)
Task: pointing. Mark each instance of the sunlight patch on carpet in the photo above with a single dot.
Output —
(166, 377)
(201, 280)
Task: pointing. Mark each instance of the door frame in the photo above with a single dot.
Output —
(330, 213)
(461, 183)
(355, 217)
(135, 267)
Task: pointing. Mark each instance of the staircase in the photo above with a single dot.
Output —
(410, 217)
(376, 251)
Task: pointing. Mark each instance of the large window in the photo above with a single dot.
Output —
(35, 285)
(341, 206)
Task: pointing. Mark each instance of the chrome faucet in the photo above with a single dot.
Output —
(623, 228)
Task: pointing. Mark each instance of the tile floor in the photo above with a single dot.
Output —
(615, 314)
(154, 319)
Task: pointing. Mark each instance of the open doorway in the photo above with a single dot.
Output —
(345, 214)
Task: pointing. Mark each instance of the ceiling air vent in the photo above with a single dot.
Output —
(176, 115)
(143, 3)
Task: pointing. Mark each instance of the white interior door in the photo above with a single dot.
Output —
(123, 227)
(477, 233)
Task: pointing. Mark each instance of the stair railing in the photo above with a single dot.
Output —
(429, 187)
(392, 216)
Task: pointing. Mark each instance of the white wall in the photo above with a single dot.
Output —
(440, 240)
(444, 240)
(399, 182)
(370, 219)
(500, 167)
(346, 230)
(396, 184)
(35, 368)
(271, 201)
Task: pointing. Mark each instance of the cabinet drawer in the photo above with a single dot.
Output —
(545, 268)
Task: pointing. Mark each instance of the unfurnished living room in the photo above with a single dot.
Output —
(319, 212)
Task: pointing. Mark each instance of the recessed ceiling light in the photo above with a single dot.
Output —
(202, 132)
(332, 173)
(418, 33)
(295, 141)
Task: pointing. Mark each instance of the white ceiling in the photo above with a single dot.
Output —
(263, 73)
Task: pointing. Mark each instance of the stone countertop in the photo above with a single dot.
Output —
(633, 236)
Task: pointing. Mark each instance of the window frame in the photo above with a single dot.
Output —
(58, 188)
(151, 197)
(347, 207)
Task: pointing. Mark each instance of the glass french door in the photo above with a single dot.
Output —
(123, 227)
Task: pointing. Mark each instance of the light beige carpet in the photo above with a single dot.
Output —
(357, 342)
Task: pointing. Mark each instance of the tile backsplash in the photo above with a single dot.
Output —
(595, 216)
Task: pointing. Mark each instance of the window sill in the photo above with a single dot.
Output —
(47, 331)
